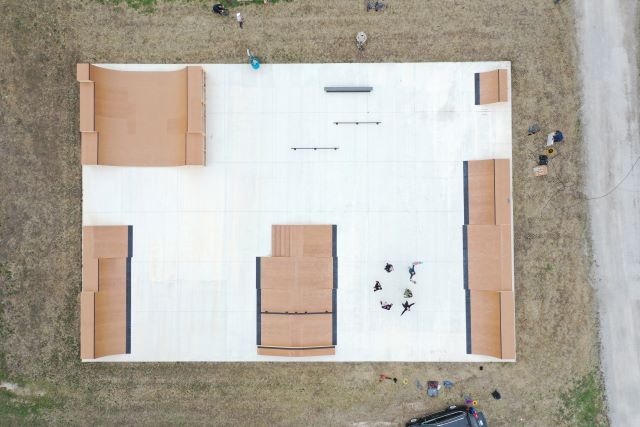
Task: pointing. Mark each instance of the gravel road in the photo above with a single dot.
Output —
(608, 39)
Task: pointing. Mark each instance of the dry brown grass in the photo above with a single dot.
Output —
(40, 218)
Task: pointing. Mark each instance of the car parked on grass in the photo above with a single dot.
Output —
(453, 416)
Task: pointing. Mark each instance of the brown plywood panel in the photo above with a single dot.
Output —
(485, 323)
(108, 241)
(306, 352)
(296, 300)
(503, 191)
(314, 273)
(318, 241)
(296, 240)
(280, 240)
(480, 184)
(277, 273)
(195, 154)
(489, 257)
(141, 117)
(195, 100)
(506, 258)
(82, 72)
(489, 87)
(508, 325)
(89, 148)
(503, 83)
(87, 107)
(296, 330)
(110, 308)
(87, 325)
(90, 274)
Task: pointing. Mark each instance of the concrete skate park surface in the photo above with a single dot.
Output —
(394, 190)
(607, 33)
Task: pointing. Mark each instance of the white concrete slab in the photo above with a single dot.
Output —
(393, 189)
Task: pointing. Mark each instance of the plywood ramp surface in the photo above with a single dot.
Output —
(287, 273)
(306, 352)
(87, 106)
(301, 300)
(489, 87)
(110, 241)
(87, 325)
(141, 117)
(110, 308)
(302, 240)
(489, 257)
(503, 191)
(508, 325)
(481, 191)
(485, 323)
(308, 330)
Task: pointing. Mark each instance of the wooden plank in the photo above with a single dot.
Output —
(277, 273)
(298, 300)
(110, 308)
(503, 86)
(108, 241)
(87, 325)
(89, 148)
(481, 188)
(195, 99)
(485, 323)
(502, 191)
(489, 87)
(195, 153)
(318, 241)
(82, 72)
(87, 106)
(296, 330)
(508, 325)
(303, 352)
(489, 257)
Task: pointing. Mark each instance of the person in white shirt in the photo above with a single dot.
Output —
(240, 19)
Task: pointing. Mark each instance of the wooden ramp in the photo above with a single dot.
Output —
(296, 314)
(488, 258)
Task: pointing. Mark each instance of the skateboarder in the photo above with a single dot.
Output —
(377, 287)
(407, 307)
(388, 268)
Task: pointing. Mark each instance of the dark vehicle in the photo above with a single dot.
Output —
(454, 416)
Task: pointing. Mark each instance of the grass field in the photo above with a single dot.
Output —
(556, 380)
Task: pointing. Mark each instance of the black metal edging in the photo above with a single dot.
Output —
(334, 293)
(259, 304)
(477, 87)
(465, 189)
(330, 89)
(315, 148)
(356, 123)
(465, 258)
(128, 289)
(296, 348)
(467, 300)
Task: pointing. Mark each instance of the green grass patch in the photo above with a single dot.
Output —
(14, 408)
(584, 403)
(141, 5)
(240, 2)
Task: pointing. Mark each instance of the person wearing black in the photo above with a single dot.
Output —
(407, 307)
(388, 268)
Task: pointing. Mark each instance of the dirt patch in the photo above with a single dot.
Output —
(40, 215)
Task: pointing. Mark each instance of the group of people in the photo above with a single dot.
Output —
(221, 10)
(407, 292)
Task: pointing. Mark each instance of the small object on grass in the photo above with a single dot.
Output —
(543, 160)
(496, 395)
(533, 129)
(419, 385)
(432, 388)
(405, 381)
(448, 384)
(395, 380)
(540, 170)
(481, 367)
(550, 152)
(384, 377)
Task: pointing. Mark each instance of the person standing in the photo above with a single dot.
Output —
(240, 19)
